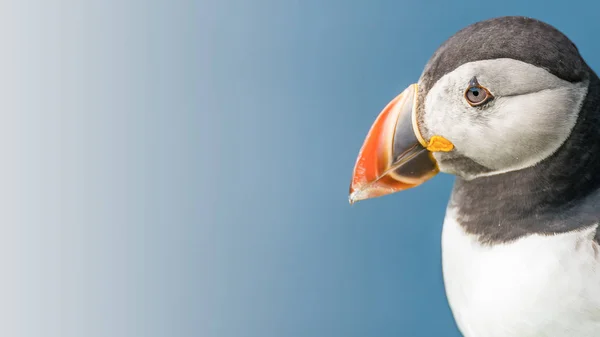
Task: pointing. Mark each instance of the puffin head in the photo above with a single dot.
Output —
(499, 96)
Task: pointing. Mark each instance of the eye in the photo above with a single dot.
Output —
(476, 94)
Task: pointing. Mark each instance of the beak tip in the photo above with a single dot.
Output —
(352, 195)
(352, 199)
(361, 192)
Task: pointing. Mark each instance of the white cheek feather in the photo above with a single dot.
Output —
(535, 286)
(531, 116)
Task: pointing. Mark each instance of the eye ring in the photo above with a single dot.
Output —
(476, 94)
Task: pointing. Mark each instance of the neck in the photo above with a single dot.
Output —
(557, 195)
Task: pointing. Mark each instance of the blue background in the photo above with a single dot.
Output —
(180, 168)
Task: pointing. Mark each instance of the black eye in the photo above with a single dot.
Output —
(476, 94)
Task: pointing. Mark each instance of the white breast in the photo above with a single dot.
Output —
(536, 286)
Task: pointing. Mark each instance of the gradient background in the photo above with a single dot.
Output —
(180, 168)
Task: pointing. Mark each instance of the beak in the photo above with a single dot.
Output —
(394, 156)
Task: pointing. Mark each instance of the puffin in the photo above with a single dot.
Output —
(511, 109)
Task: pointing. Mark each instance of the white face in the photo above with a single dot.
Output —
(529, 118)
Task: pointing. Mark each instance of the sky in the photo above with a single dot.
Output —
(181, 168)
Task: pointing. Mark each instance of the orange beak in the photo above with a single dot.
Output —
(394, 156)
